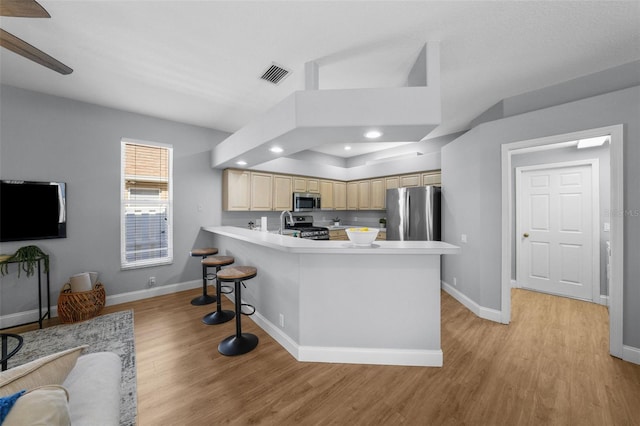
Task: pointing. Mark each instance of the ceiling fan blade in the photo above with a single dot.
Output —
(21, 47)
(23, 9)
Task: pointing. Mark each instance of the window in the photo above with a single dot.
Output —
(146, 205)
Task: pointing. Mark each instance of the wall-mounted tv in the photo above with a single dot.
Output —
(32, 210)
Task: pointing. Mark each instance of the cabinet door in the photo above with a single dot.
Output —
(282, 194)
(364, 195)
(431, 178)
(313, 185)
(326, 194)
(299, 184)
(352, 195)
(409, 180)
(378, 194)
(261, 195)
(339, 195)
(236, 190)
(392, 182)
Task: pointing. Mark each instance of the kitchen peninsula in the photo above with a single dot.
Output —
(330, 301)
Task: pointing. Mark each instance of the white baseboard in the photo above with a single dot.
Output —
(604, 300)
(419, 358)
(486, 313)
(152, 292)
(514, 284)
(631, 354)
(26, 317)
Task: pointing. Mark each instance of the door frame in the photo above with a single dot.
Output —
(616, 133)
(595, 217)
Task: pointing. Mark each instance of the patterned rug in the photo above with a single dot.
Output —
(106, 333)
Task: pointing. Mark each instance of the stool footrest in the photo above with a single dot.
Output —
(253, 309)
(226, 289)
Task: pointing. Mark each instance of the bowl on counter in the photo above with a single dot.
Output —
(362, 236)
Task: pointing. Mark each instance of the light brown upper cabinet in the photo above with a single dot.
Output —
(261, 191)
(378, 193)
(364, 195)
(299, 184)
(410, 180)
(392, 182)
(326, 194)
(352, 195)
(236, 190)
(303, 184)
(282, 192)
(431, 178)
(339, 195)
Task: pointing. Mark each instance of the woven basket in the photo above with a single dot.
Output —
(74, 307)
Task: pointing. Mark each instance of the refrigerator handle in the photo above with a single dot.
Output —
(407, 227)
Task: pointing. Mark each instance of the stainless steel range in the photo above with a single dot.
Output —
(304, 225)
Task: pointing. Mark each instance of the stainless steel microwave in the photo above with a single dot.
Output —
(306, 202)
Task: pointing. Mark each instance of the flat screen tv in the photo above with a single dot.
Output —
(32, 210)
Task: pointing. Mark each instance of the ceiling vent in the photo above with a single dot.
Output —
(275, 73)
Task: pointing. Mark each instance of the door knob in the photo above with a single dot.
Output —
(526, 235)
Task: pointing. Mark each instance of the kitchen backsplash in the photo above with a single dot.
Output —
(368, 218)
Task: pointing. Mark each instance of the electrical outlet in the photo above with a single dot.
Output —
(282, 320)
(463, 238)
(151, 282)
(455, 281)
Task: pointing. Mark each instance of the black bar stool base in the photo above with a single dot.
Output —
(234, 345)
(205, 299)
(218, 317)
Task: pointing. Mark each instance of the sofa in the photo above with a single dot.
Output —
(68, 387)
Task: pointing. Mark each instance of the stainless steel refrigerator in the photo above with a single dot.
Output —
(413, 214)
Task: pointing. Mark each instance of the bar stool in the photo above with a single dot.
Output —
(205, 299)
(218, 316)
(240, 343)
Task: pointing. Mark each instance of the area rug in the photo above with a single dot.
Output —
(107, 333)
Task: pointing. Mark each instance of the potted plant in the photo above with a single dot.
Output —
(27, 258)
(383, 222)
(336, 221)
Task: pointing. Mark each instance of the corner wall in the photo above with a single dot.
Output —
(45, 137)
(471, 180)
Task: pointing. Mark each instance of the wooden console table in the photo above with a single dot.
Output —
(46, 314)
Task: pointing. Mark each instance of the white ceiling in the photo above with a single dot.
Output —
(199, 62)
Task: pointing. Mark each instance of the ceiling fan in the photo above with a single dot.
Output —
(28, 9)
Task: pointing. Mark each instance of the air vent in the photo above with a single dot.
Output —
(275, 74)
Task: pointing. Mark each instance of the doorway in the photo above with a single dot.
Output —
(557, 223)
(616, 221)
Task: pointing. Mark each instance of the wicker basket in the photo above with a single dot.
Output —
(74, 307)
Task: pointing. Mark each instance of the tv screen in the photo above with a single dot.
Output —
(32, 210)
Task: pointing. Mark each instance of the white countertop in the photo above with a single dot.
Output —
(302, 245)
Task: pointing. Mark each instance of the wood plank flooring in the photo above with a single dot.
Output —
(550, 366)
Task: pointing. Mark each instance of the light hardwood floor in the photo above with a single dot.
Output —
(550, 366)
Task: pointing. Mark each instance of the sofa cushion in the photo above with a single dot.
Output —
(46, 405)
(94, 389)
(48, 370)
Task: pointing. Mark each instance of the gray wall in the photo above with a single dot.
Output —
(571, 154)
(45, 137)
(471, 176)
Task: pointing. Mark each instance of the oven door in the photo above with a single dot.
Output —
(305, 202)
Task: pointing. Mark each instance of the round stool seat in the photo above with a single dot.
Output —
(237, 273)
(203, 251)
(217, 261)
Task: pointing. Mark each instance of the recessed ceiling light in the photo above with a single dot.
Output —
(347, 148)
(592, 142)
(276, 149)
(241, 163)
(372, 134)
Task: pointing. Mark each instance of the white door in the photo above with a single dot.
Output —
(556, 210)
